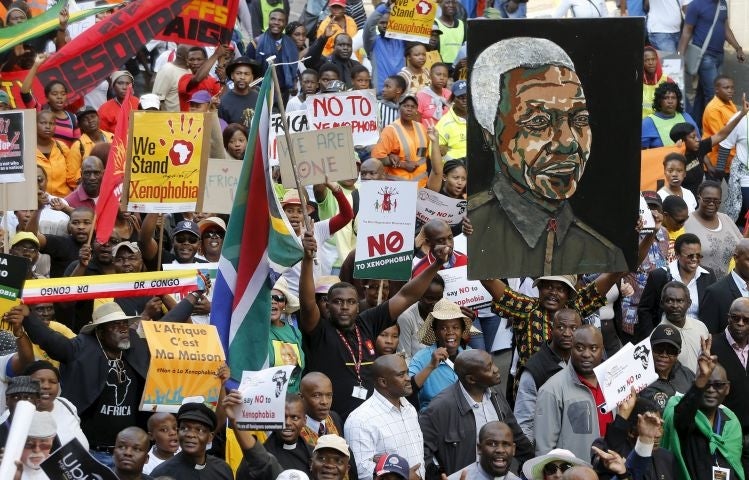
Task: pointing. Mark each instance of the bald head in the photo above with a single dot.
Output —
(580, 473)
(316, 391)
(312, 380)
(434, 229)
(741, 258)
(386, 364)
(372, 169)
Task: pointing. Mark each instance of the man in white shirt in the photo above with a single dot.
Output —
(167, 78)
(664, 24)
(675, 303)
(386, 422)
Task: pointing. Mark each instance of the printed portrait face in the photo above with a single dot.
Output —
(543, 131)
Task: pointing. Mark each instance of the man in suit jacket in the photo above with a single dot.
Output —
(719, 296)
(685, 269)
(449, 423)
(735, 335)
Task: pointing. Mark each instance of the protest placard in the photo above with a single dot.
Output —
(13, 271)
(432, 205)
(263, 398)
(219, 185)
(319, 154)
(73, 289)
(357, 109)
(632, 366)
(167, 153)
(23, 195)
(648, 222)
(73, 461)
(385, 240)
(297, 122)
(464, 292)
(202, 22)
(17, 144)
(411, 20)
(184, 361)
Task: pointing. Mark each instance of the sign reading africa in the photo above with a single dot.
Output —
(167, 155)
(184, 361)
(411, 20)
(385, 240)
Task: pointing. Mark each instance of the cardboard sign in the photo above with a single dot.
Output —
(632, 366)
(432, 205)
(167, 153)
(357, 109)
(17, 143)
(12, 277)
(385, 240)
(673, 66)
(464, 292)
(319, 154)
(184, 362)
(219, 185)
(411, 20)
(202, 22)
(73, 289)
(263, 398)
(73, 461)
(297, 122)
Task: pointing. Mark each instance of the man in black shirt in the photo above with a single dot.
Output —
(238, 104)
(342, 347)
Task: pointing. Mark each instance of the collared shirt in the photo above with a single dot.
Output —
(603, 418)
(313, 424)
(741, 283)
(673, 267)
(474, 471)
(741, 352)
(377, 426)
(483, 412)
(79, 198)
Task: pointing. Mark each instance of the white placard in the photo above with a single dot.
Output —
(297, 122)
(648, 222)
(263, 398)
(632, 366)
(464, 292)
(432, 205)
(357, 108)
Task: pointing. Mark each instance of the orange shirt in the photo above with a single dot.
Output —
(717, 114)
(56, 167)
(79, 150)
(351, 30)
(406, 143)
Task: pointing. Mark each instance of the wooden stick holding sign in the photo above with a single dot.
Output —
(282, 110)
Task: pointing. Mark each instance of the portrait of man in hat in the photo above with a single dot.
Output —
(534, 141)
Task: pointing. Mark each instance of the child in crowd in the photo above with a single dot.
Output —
(329, 72)
(414, 73)
(675, 170)
(310, 83)
(388, 110)
(434, 100)
(162, 430)
(360, 78)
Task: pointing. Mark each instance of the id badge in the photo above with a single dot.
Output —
(359, 392)
(720, 473)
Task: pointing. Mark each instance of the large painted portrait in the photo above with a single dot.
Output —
(553, 146)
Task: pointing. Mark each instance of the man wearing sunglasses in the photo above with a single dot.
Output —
(685, 269)
(704, 435)
(673, 377)
(732, 348)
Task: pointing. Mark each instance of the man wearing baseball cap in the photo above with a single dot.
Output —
(391, 466)
(195, 426)
(185, 238)
(673, 377)
(452, 125)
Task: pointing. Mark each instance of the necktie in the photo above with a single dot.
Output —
(322, 429)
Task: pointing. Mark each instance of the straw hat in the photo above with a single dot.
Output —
(533, 468)
(106, 313)
(291, 197)
(292, 301)
(443, 310)
(569, 280)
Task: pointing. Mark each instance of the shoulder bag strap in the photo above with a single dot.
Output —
(710, 32)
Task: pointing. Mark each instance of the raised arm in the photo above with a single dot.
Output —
(434, 182)
(721, 134)
(57, 346)
(345, 212)
(148, 246)
(205, 69)
(25, 349)
(310, 313)
(412, 291)
(29, 79)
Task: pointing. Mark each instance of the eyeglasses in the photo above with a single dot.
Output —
(711, 201)
(278, 298)
(692, 256)
(25, 248)
(213, 234)
(191, 239)
(717, 385)
(552, 467)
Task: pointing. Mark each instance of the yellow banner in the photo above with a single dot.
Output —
(167, 154)
(412, 20)
(184, 361)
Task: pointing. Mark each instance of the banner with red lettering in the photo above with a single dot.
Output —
(357, 108)
(202, 22)
(90, 58)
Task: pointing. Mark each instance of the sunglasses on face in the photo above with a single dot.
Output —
(278, 298)
(192, 239)
(552, 468)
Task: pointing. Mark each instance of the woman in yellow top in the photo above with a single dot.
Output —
(341, 22)
(652, 76)
(52, 155)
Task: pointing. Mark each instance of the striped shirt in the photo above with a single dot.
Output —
(387, 113)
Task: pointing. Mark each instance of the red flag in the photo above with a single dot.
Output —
(110, 192)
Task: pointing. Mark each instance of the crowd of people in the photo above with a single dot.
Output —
(392, 380)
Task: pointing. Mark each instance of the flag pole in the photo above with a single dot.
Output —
(161, 242)
(287, 137)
